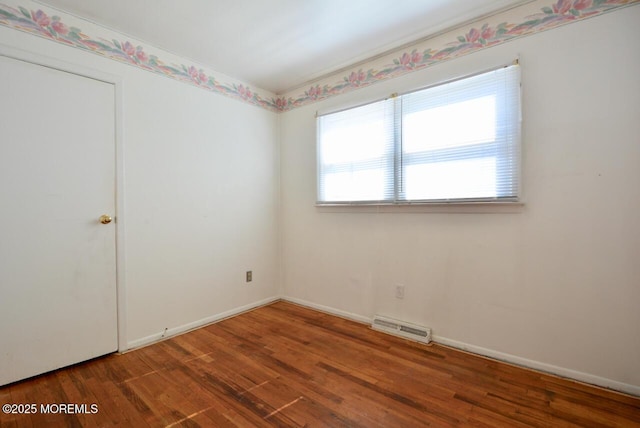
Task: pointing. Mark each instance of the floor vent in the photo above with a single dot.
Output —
(401, 328)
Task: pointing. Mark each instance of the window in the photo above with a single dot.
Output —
(455, 142)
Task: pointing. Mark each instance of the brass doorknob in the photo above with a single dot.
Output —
(105, 219)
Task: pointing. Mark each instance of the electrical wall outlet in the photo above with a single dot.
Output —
(249, 276)
(399, 291)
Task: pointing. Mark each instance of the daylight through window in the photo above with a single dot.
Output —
(454, 142)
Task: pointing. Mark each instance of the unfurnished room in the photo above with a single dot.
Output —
(320, 213)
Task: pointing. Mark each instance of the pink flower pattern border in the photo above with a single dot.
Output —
(39, 23)
(560, 12)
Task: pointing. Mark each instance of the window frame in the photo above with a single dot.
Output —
(401, 160)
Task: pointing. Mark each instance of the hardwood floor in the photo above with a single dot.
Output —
(288, 366)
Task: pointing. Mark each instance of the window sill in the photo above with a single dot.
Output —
(426, 207)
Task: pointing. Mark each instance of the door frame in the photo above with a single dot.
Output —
(116, 81)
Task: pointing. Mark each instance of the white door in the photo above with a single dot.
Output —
(57, 261)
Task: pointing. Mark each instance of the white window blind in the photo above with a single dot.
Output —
(454, 142)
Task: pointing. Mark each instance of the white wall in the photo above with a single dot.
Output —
(554, 284)
(201, 197)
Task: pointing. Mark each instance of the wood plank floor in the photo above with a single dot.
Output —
(288, 366)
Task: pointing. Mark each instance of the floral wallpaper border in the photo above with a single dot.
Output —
(479, 37)
(52, 27)
(476, 38)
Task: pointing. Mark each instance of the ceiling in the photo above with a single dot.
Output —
(279, 45)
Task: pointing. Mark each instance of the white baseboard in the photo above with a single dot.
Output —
(197, 324)
(543, 367)
(327, 309)
(508, 358)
